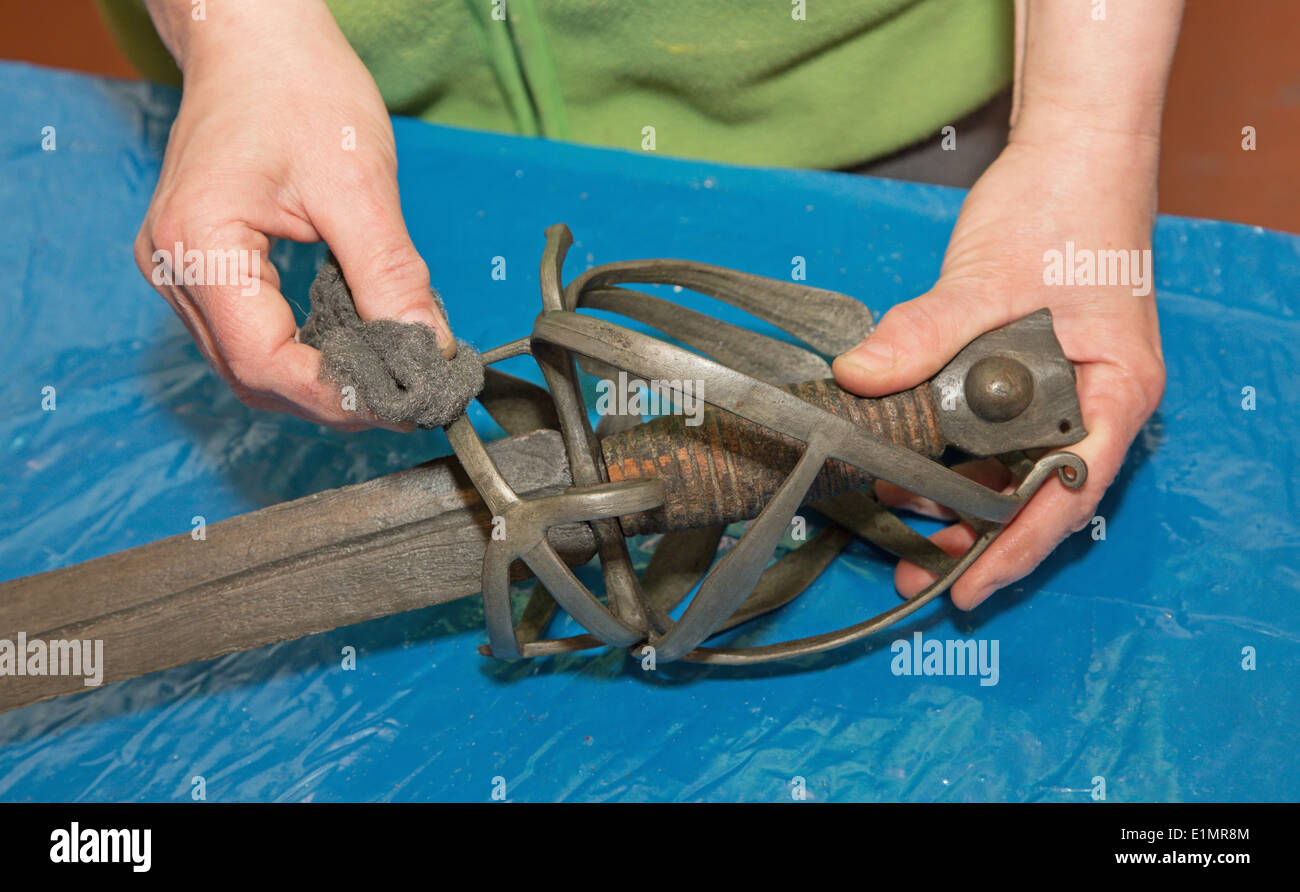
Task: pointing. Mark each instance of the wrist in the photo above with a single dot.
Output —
(1132, 115)
(1090, 85)
(1102, 152)
(199, 35)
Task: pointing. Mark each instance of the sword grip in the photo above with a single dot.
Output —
(727, 468)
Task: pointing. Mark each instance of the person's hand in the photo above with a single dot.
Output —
(281, 133)
(1097, 192)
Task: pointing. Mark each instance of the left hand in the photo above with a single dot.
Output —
(1097, 192)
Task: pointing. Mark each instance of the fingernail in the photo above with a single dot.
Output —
(423, 316)
(874, 356)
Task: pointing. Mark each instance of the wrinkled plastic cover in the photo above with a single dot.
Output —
(1119, 658)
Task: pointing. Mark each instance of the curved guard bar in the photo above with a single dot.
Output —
(525, 522)
(741, 585)
(730, 582)
(773, 408)
(1056, 462)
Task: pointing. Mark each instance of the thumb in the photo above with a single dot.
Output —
(387, 276)
(916, 339)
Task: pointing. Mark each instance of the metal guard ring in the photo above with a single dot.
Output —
(630, 620)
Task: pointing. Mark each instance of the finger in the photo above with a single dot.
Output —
(910, 579)
(987, 472)
(1052, 514)
(389, 280)
(1114, 415)
(149, 260)
(358, 419)
(917, 338)
(247, 331)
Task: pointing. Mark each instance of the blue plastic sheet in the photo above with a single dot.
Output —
(1120, 659)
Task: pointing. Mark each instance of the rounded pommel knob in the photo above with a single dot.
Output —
(998, 388)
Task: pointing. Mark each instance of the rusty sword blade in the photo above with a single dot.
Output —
(418, 537)
(400, 542)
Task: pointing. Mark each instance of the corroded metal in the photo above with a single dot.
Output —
(1051, 415)
(778, 439)
(761, 452)
(998, 388)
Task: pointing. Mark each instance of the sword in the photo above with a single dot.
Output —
(778, 435)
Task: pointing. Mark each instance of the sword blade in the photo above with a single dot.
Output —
(396, 543)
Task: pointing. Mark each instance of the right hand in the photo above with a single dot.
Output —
(260, 150)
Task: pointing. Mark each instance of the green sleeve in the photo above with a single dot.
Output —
(129, 23)
(731, 80)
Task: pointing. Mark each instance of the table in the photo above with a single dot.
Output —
(1119, 658)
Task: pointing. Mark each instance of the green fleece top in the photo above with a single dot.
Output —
(747, 81)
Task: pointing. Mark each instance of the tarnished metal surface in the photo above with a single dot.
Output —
(344, 556)
(1009, 390)
(1049, 418)
(772, 447)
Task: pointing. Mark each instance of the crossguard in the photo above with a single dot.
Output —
(740, 585)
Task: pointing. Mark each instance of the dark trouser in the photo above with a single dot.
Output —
(981, 136)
